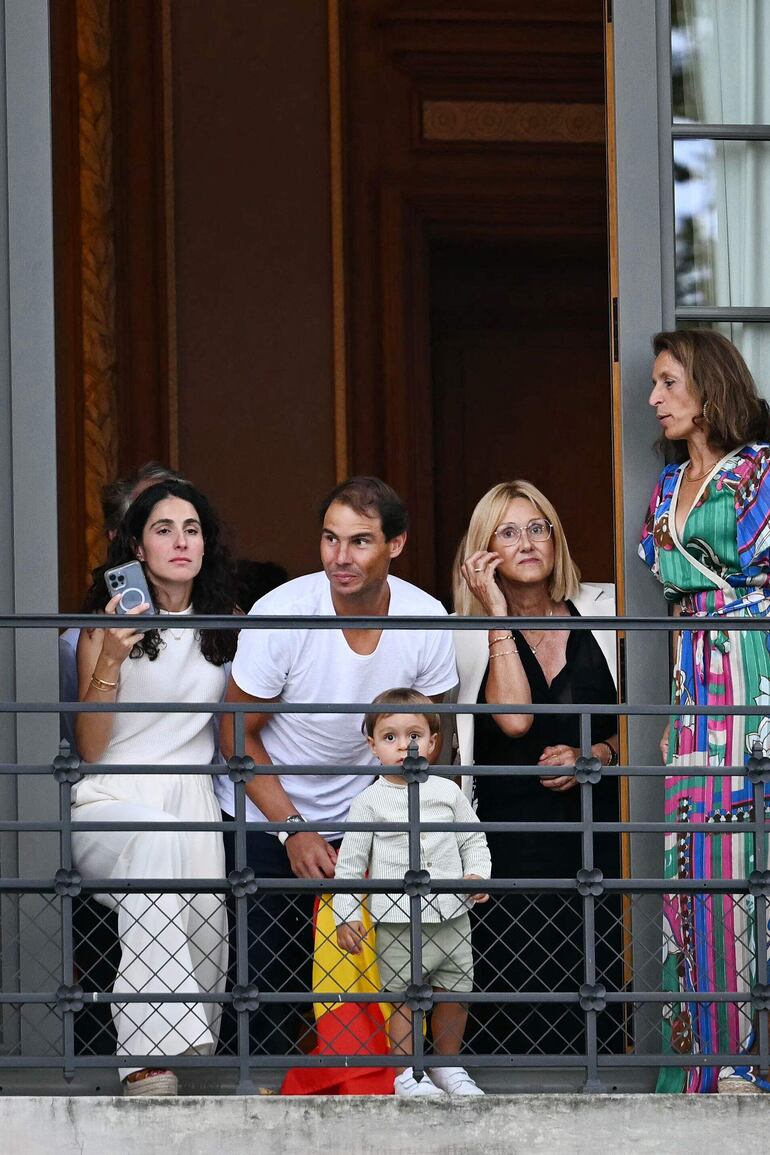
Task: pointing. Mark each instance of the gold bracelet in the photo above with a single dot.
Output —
(505, 638)
(101, 684)
(503, 653)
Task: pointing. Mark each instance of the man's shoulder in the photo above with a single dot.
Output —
(410, 599)
(302, 595)
(69, 638)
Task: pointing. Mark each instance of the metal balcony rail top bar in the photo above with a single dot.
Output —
(390, 622)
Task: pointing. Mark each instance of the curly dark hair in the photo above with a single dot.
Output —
(213, 587)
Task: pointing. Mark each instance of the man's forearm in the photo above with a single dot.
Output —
(265, 790)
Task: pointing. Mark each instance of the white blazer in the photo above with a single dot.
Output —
(472, 648)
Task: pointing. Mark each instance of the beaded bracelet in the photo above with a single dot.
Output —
(614, 755)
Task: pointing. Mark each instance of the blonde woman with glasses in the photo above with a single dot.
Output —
(514, 562)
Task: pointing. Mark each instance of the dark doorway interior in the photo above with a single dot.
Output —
(521, 385)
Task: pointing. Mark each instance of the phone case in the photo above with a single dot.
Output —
(129, 581)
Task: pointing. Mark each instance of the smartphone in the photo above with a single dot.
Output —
(129, 581)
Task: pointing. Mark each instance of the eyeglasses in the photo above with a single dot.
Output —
(536, 530)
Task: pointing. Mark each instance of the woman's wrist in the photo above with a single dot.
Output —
(108, 667)
(606, 753)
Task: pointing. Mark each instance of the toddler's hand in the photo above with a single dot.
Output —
(349, 935)
(476, 897)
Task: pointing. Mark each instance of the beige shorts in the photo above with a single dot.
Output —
(447, 959)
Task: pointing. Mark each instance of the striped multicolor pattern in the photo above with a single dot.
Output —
(710, 940)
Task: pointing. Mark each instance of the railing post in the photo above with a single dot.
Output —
(759, 883)
(419, 998)
(590, 886)
(244, 998)
(66, 771)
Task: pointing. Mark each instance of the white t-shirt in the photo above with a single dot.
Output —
(306, 666)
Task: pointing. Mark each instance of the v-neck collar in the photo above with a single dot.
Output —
(573, 613)
(675, 535)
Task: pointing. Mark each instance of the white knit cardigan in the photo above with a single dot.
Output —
(385, 854)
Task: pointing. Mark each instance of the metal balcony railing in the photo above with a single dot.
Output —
(599, 933)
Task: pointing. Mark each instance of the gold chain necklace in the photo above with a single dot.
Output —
(697, 476)
(540, 640)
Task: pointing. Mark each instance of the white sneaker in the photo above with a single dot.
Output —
(406, 1086)
(455, 1081)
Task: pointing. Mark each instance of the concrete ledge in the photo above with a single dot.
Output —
(496, 1125)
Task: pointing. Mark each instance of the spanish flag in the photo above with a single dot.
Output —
(343, 1028)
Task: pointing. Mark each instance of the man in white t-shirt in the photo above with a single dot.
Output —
(364, 526)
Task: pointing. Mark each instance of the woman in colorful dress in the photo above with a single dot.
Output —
(707, 538)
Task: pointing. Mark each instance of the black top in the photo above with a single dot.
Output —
(585, 677)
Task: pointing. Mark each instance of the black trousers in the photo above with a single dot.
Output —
(280, 944)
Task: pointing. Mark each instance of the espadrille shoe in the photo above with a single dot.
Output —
(151, 1082)
(741, 1081)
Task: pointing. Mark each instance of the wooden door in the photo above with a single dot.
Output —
(476, 241)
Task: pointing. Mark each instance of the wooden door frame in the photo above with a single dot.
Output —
(403, 404)
(113, 260)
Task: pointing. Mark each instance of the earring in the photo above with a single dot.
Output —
(707, 412)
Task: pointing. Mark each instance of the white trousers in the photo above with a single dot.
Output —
(170, 943)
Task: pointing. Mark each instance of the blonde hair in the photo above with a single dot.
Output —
(486, 517)
(402, 696)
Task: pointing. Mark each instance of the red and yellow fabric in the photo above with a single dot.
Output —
(348, 1028)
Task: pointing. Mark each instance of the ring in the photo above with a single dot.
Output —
(478, 568)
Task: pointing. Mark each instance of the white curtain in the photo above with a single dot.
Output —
(729, 83)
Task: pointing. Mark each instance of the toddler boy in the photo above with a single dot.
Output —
(446, 934)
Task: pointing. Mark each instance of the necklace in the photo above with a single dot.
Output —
(697, 476)
(177, 635)
(534, 648)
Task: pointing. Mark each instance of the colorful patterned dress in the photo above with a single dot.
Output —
(721, 565)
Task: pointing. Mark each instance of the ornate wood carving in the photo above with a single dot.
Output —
(114, 258)
(97, 248)
(500, 121)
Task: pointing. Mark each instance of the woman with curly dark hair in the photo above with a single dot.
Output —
(169, 942)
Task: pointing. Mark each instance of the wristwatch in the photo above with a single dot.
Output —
(292, 820)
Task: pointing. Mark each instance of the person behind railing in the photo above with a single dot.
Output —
(707, 539)
(447, 960)
(514, 561)
(363, 529)
(115, 500)
(254, 579)
(175, 943)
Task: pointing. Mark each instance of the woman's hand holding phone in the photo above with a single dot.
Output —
(117, 644)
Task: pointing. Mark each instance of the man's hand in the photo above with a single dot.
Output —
(349, 936)
(476, 897)
(310, 855)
